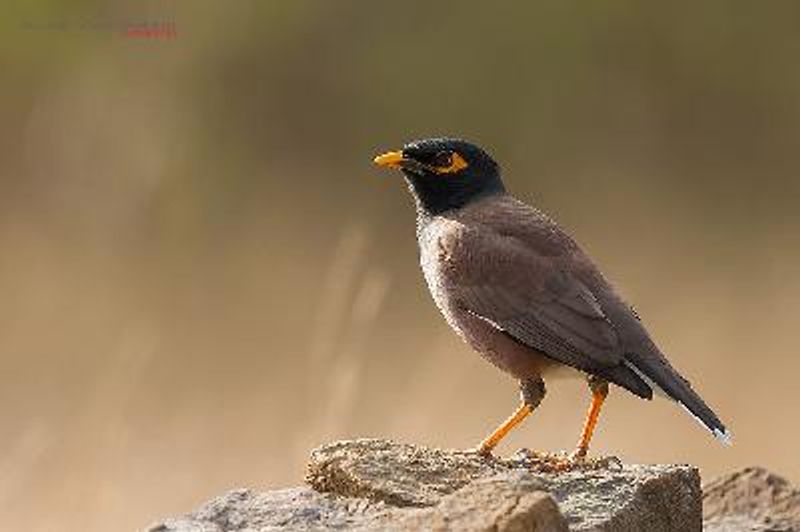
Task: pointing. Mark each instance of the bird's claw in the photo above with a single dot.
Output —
(480, 450)
(561, 462)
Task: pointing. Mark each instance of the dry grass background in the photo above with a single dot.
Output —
(202, 278)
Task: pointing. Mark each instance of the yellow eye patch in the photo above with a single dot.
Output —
(457, 163)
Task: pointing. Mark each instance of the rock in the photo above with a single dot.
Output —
(631, 497)
(492, 504)
(294, 508)
(398, 474)
(752, 499)
(380, 485)
(505, 503)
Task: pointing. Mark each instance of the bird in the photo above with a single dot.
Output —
(520, 291)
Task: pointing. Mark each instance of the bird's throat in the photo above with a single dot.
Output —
(434, 197)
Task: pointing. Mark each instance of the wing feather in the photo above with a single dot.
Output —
(536, 300)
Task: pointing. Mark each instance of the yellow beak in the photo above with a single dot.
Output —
(392, 159)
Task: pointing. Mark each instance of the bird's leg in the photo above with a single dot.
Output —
(532, 392)
(599, 389)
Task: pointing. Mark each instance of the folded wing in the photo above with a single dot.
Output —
(540, 303)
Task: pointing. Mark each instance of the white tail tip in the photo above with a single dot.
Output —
(725, 438)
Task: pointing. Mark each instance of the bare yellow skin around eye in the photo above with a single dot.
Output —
(457, 163)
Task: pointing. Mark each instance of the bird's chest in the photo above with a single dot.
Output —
(447, 252)
(441, 246)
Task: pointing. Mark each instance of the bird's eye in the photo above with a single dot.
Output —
(447, 162)
(443, 159)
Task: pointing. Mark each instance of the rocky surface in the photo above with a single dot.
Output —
(601, 495)
(752, 499)
(504, 507)
(382, 485)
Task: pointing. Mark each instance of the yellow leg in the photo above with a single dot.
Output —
(500, 432)
(599, 393)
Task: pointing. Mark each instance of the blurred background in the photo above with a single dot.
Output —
(202, 277)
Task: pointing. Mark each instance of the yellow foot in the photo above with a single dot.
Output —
(562, 462)
(482, 450)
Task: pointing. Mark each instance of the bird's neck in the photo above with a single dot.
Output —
(433, 198)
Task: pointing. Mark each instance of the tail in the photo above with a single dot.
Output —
(657, 371)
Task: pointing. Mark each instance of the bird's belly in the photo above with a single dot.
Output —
(442, 278)
(499, 348)
(491, 343)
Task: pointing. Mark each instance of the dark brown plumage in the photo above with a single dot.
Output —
(520, 291)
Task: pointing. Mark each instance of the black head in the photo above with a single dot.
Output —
(445, 173)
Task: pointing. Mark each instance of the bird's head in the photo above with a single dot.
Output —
(445, 173)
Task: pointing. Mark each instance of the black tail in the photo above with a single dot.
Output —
(653, 367)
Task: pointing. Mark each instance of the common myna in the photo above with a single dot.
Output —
(519, 290)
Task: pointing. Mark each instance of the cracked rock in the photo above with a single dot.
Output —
(752, 499)
(382, 485)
